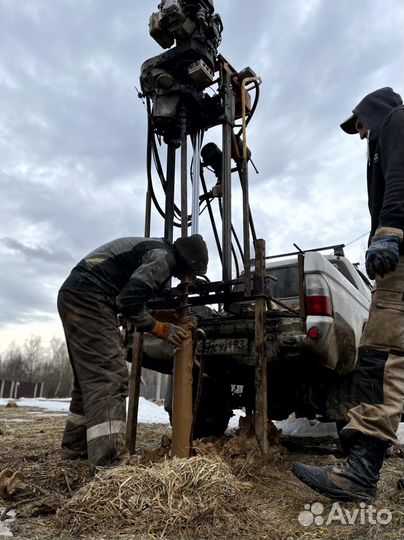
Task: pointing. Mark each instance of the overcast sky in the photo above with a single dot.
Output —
(73, 131)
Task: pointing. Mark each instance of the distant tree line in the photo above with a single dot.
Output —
(34, 362)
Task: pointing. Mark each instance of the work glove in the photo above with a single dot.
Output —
(189, 322)
(169, 332)
(382, 255)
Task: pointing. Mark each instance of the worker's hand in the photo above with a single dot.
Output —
(382, 255)
(189, 322)
(169, 332)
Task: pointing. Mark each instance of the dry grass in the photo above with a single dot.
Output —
(237, 495)
(179, 496)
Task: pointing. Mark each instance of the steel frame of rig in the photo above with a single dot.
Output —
(174, 87)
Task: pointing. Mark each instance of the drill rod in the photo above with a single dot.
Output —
(182, 388)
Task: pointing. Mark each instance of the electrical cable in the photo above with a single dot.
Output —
(149, 161)
(160, 172)
(356, 239)
(211, 216)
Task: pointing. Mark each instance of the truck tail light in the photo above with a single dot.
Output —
(314, 333)
(317, 295)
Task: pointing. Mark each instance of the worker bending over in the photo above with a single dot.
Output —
(118, 277)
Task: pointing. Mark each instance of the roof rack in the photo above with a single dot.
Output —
(338, 251)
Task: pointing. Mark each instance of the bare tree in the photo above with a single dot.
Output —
(60, 359)
(35, 363)
(34, 354)
(13, 365)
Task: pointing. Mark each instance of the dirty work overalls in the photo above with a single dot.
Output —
(95, 425)
(378, 379)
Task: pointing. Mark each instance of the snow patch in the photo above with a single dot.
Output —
(303, 427)
(151, 413)
(40, 403)
(5, 532)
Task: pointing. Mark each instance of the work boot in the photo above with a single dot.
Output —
(107, 452)
(74, 441)
(355, 479)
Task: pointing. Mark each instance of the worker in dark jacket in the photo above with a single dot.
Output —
(118, 277)
(378, 379)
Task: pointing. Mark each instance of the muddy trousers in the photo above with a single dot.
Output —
(378, 379)
(96, 422)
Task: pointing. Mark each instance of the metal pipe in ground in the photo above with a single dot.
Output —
(182, 400)
(182, 388)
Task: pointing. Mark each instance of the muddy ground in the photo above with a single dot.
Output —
(30, 444)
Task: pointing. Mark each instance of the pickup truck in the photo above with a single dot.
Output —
(310, 351)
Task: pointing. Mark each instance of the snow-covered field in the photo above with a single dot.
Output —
(151, 413)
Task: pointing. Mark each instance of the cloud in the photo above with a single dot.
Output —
(73, 131)
(37, 253)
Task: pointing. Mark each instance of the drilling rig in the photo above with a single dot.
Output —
(188, 90)
(290, 347)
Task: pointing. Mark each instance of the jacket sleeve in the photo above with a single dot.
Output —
(156, 268)
(392, 158)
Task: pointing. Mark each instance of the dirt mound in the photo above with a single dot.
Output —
(192, 495)
(243, 446)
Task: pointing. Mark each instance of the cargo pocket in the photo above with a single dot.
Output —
(385, 327)
(366, 391)
(368, 377)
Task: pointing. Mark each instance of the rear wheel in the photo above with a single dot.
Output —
(214, 408)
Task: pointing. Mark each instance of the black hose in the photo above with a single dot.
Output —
(161, 175)
(253, 108)
(153, 152)
(149, 160)
(211, 216)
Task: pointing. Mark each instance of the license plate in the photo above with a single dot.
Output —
(225, 346)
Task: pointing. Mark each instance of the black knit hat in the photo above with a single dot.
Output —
(192, 253)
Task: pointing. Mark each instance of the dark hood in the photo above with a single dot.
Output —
(192, 254)
(372, 111)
